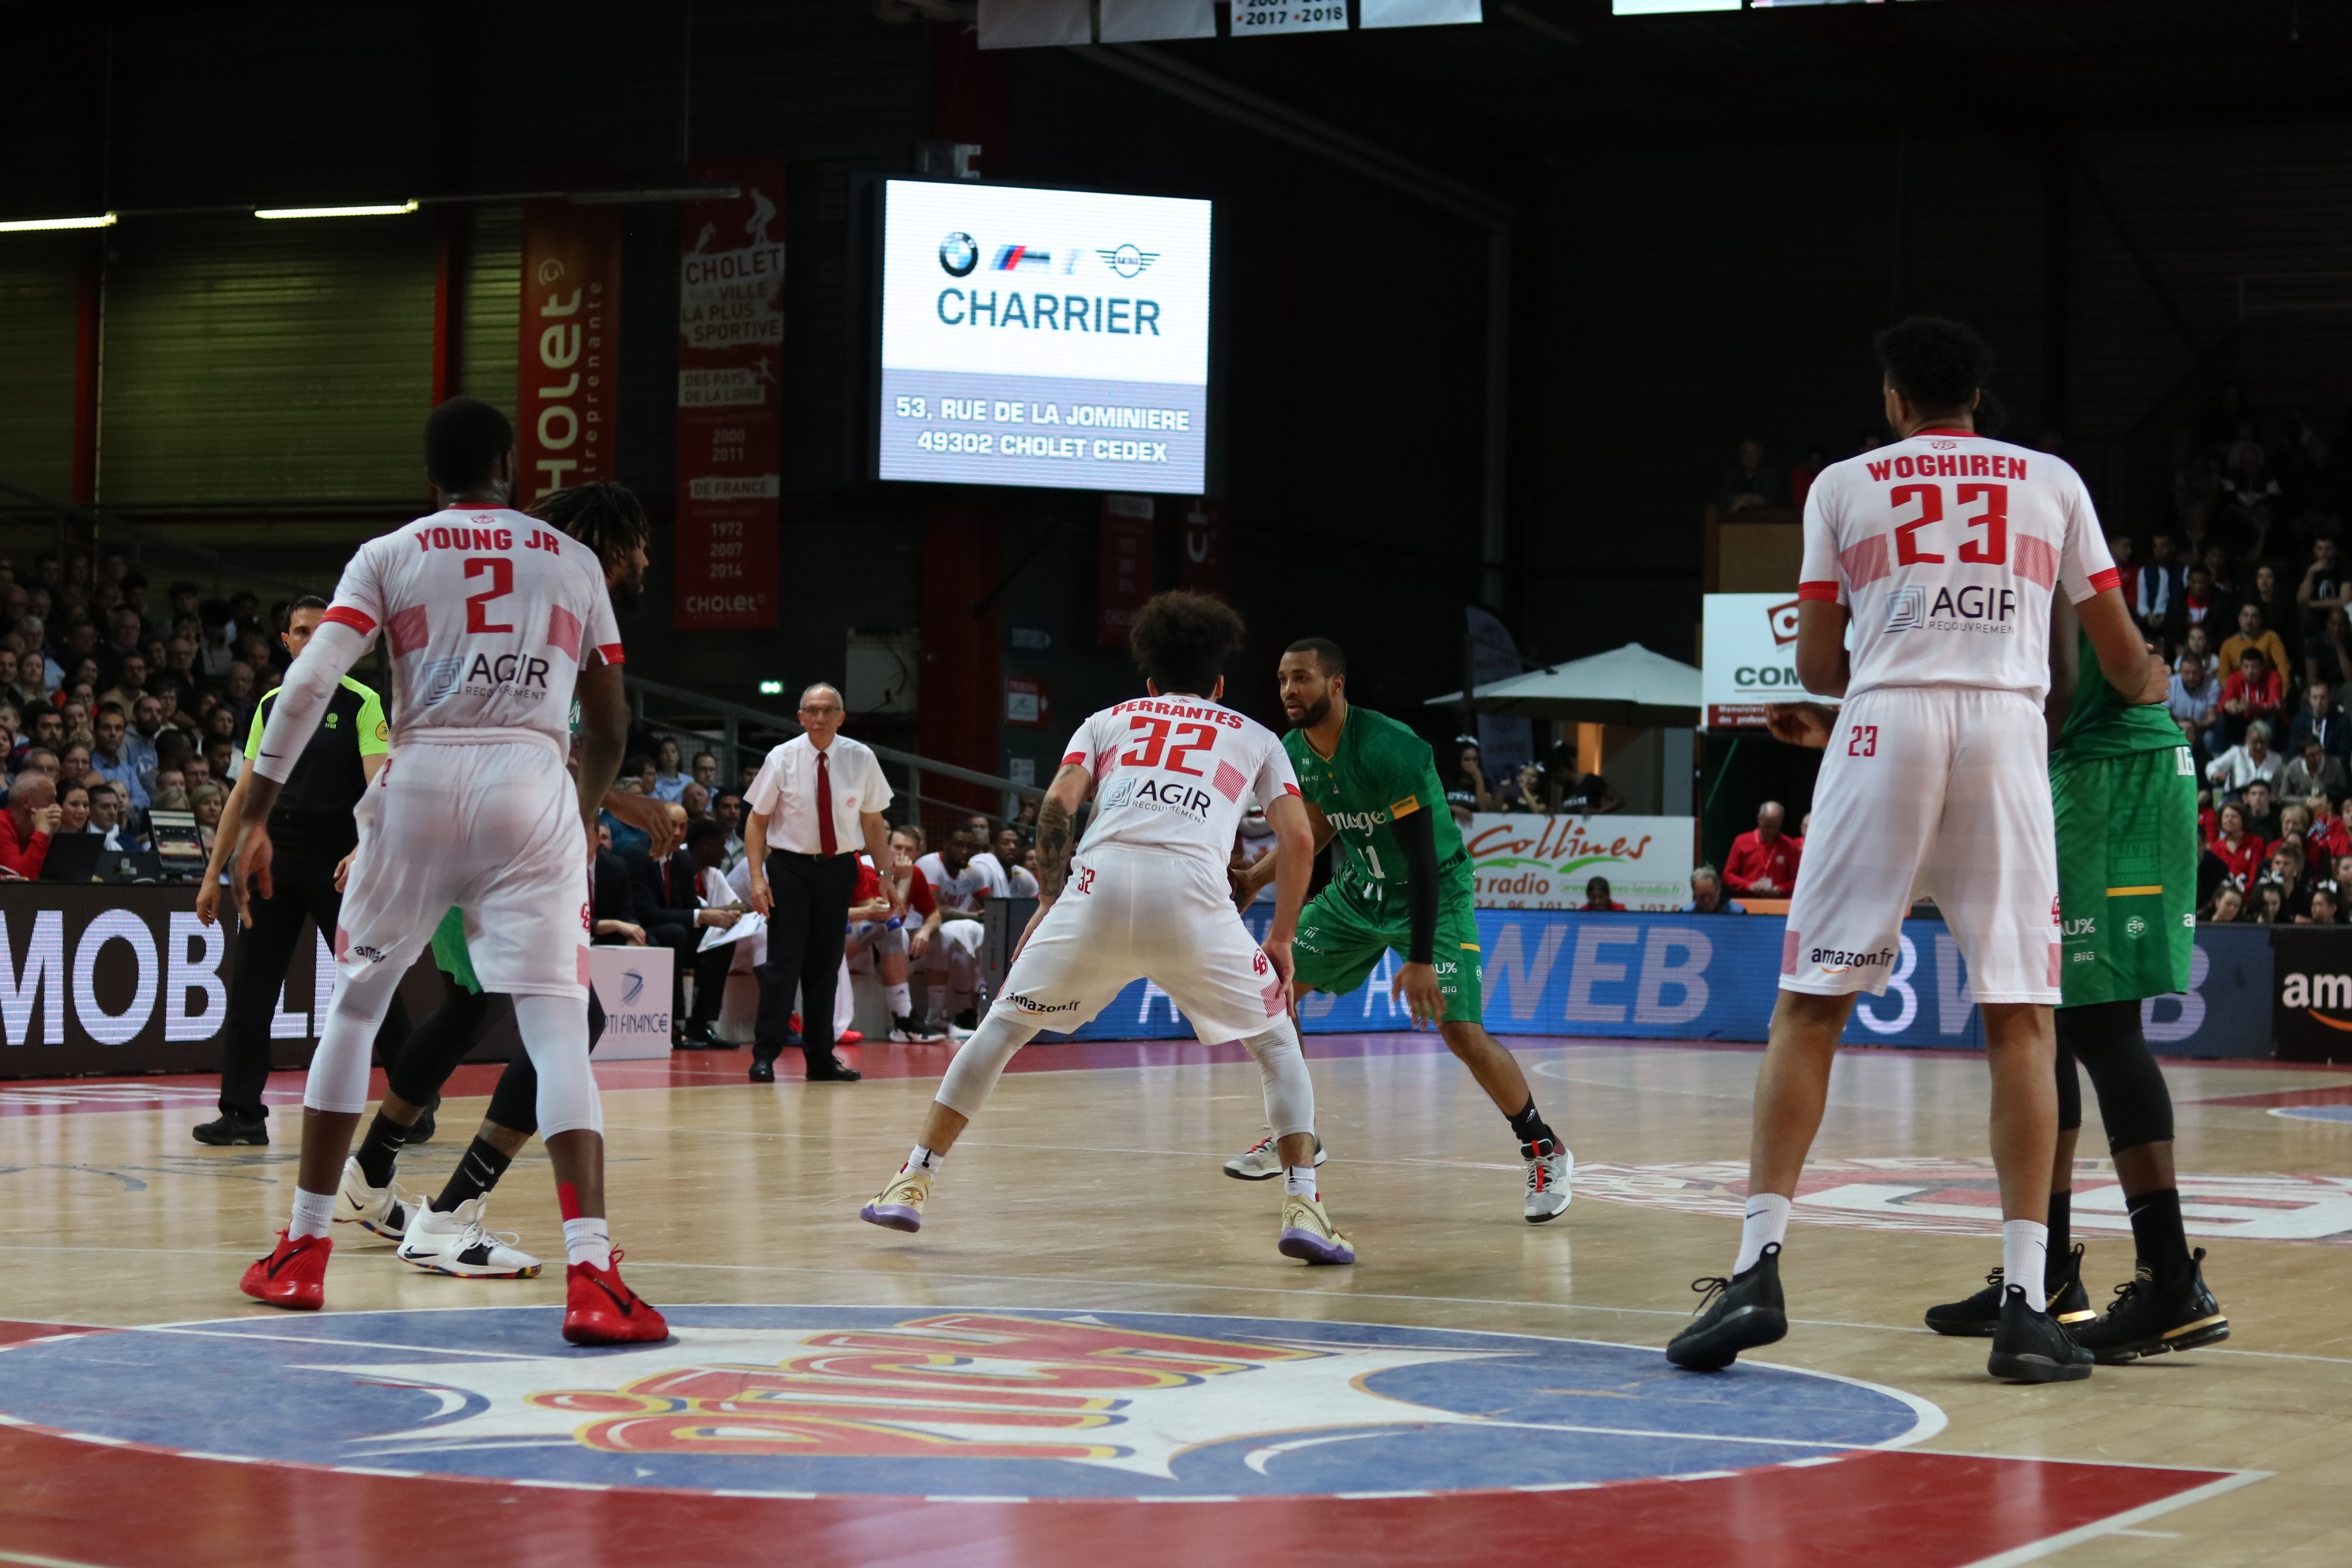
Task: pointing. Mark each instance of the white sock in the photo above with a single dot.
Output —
(1298, 1180)
(902, 1001)
(1765, 1224)
(314, 1215)
(2024, 1255)
(922, 1159)
(588, 1241)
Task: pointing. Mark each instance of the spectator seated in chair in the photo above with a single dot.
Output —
(2255, 633)
(2191, 701)
(1748, 483)
(2250, 759)
(1763, 864)
(2227, 906)
(2261, 809)
(2239, 852)
(667, 900)
(1596, 896)
(33, 815)
(2315, 772)
(2325, 905)
(1706, 895)
(2320, 718)
(2254, 695)
(610, 906)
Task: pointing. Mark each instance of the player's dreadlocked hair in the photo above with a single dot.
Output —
(1181, 640)
(1938, 364)
(606, 517)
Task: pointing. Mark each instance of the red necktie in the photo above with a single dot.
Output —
(827, 843)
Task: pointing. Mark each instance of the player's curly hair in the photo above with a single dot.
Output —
(1938, 364)
(1181, 640)
(606, 517)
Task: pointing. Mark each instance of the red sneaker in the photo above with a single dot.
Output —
(850, 1037)
(294, 1274)
(601, 1310)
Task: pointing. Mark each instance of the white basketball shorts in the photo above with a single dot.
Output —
(492, 829)
(1942, 791)
(1127, 915)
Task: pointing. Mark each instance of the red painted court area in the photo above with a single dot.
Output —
(1866, 1511)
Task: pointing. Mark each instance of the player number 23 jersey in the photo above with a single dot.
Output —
(1172, 774)
(487, 615)
(1945, 547)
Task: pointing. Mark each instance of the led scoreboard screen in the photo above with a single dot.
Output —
(1044, 337)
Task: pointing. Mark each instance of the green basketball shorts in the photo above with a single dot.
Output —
(1342, 937)
(2126, 874)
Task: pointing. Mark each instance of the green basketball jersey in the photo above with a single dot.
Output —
(1381, 771)
(2100, 723)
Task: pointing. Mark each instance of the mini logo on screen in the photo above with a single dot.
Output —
(958, 254)
(1127, 260)
(1029, 259)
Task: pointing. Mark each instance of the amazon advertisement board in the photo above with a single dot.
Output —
(1715, 977)
(1055, 338)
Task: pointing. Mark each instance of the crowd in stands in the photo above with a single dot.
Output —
(117, 700)
(1550, 784)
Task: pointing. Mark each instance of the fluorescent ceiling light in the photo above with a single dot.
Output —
(32, 225)
(1661, 7)
(386, 210)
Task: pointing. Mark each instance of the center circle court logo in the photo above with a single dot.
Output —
(995, 1403)
(958, 254)
(1962, 1197)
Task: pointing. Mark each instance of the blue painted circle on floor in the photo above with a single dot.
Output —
(976, 1401)
(2314, 1112)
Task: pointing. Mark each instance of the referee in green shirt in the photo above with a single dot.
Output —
(313, 828)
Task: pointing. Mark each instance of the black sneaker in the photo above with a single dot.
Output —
(1979, 1315)
(426, 1124)
(1737, 1314)
(2030, 1346)
(2148, 1319)
(226, 1131)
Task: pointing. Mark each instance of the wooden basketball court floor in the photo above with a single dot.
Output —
(1092, 1354)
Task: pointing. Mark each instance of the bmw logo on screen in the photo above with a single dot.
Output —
(958, 254)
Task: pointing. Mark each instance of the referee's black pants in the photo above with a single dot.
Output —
(806, 928)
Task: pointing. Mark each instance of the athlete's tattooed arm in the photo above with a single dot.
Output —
(1055, 816)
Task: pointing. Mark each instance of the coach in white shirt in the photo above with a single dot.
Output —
(817, 801)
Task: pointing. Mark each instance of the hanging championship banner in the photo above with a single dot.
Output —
(567, 382)
(1123, 574)
(1202, 565)
(731, 344)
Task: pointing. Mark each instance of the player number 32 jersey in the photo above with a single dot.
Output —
(1945, 547)
(489, 615)
(1172, 774)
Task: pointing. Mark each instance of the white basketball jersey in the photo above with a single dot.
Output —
(1175, 773)
(487, 615)
(967, 890)
(1947, 547)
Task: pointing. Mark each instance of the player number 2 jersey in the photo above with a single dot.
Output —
(487, 615)
(1173, 774)
(1946, 548)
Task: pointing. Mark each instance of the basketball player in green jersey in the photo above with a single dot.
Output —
(1406, 887)
(2124, 791)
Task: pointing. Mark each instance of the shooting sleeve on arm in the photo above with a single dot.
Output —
(302, 702)
(1417, 833)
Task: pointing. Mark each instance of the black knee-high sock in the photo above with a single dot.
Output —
(475, 1174)
(2157, 1231)
(380, 1149)
(1530, 1125)
(2062, 1233)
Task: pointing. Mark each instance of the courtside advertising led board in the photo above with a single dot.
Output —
(1045, 338)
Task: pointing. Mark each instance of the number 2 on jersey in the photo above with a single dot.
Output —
(1150, 737)
(477, 606)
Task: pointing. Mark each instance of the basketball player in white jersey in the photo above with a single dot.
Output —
(963, 879)
(494, 621)
(1147, 896)
(1943, 550)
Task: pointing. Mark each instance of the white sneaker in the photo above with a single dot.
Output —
(455, 1243)
(1260, 1161)
(1550, 1169)
(384, 1210)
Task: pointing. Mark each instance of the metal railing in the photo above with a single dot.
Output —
(730, 730)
